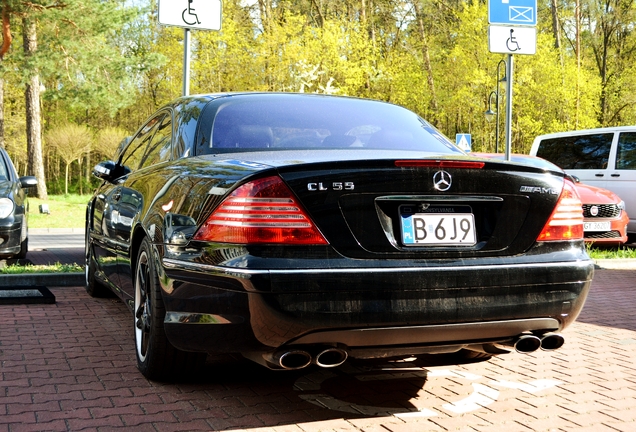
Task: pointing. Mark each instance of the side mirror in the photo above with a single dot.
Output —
(109, 171)
(574, 178)
(28, 182)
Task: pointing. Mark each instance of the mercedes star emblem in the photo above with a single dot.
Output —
(442, 181)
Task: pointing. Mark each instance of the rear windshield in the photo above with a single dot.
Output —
(577, 152)
(288, 122)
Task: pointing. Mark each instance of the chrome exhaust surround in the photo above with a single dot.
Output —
(527, 344)
(292, 360)
(552, 341)
(330, 357)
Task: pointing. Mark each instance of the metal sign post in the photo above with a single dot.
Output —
(186, 61)
(512, 31)
(190, 14)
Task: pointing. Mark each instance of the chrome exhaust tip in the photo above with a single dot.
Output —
(330, 357)
(552, 341)
(527, 344)
(293, 359)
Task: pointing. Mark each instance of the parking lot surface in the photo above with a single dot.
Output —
(70, 366)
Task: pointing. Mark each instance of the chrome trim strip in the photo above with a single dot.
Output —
(199, 318)
(441, 198)
(205, 268)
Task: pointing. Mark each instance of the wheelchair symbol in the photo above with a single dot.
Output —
(189, 11)
(511, 42)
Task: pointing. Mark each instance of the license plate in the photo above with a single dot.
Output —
(438, 229)
(597, 226)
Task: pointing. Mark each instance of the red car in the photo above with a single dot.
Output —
(605, 218)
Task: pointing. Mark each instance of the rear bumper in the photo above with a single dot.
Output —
(396, 309)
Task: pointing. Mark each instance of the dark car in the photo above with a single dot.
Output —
(14, 231)
(298, 229)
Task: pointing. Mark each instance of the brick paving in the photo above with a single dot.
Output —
(70, 366)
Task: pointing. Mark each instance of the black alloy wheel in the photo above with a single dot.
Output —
(157, 359)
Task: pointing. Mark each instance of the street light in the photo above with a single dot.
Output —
(489, 112)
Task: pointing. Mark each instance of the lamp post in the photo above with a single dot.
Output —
(489, 113)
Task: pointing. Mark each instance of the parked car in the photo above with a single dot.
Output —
(14, 230)
(604, 157)
(297, 229)
(605, 219)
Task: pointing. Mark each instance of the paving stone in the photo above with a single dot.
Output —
(71, 366)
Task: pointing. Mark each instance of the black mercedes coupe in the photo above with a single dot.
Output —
(301, 229)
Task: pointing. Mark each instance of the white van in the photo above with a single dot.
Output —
(604, 157)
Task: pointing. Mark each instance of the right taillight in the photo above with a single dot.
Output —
(566, 221)
(263, 211)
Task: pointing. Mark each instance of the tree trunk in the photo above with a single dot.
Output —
(556, 28)
(33, 114)
(66, 180)
(427, 61)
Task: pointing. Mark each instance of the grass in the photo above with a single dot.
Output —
(621, 252)
(66, 211)
(52, 268)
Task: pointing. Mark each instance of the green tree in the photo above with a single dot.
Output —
(71, 142)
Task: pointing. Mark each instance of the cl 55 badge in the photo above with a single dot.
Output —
(337, 186)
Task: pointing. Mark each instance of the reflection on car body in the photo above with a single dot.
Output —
(231, 233)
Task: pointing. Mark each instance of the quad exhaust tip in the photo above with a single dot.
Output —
(547, 342)
(552, 341)
(294, 359)
(331, 357)
(527, 344)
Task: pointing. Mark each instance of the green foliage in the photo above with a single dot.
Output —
(621, 252)
(107, 65)
(31, 268)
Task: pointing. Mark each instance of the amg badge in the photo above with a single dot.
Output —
(537, 189)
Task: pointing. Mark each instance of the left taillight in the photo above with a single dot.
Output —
(566, 221)
(263, 211)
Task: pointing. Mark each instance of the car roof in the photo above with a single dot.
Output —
(588, 131)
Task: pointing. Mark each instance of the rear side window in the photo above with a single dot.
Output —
(626, 154)
(578, 151)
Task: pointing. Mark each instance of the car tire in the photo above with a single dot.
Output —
(94, 287)
(157, 359)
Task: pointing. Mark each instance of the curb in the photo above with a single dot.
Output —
(42, 279)
(616, 264)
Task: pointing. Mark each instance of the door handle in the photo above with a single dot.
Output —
(599, 175)
(616, 175)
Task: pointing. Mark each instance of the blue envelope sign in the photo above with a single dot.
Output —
(521, 14)
(513, 12)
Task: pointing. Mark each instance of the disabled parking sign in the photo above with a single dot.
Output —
(194, 14)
